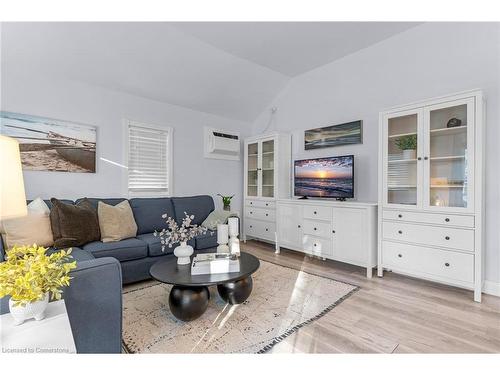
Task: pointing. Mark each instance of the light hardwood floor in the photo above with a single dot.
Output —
(393, 314)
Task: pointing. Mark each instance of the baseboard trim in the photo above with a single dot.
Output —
(491, 287)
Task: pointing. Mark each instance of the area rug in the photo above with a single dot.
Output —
(282, 301)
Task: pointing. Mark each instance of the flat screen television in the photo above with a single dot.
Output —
(331, 177)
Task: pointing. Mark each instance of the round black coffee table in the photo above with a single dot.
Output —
(189, 296)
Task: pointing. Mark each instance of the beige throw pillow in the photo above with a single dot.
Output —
(33, 228)
(116, 222)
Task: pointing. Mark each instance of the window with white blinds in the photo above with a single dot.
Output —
(149, 160)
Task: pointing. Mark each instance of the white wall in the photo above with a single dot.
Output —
(423, 62)
(72, 101)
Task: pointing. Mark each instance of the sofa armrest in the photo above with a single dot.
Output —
(94, 304)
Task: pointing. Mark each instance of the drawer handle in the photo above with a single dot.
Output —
(447, 264)
(267, 230)
(400, 216)
(298, 226)
(315, 245)
(267, 214)
(315, 228)
(267, 204)
(400, 231)
(315, 212)
(251, 202)
(251, 212)
(400, 255)
(447, 238)
(447, 219)
(333, 231)
(251, 226)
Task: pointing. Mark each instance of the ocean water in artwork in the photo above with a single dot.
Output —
(51, 145)
(336, 135)
(326, 177)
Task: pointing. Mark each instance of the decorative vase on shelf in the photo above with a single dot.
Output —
(36, 310)
(409, 154)
(183, 253)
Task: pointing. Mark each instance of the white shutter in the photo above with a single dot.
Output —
(148, 160)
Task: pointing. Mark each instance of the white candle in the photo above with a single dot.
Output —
(233, 226)
(222, 233)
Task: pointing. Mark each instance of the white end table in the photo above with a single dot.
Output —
(50, 335)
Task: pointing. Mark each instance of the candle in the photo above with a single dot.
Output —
(233, 226)
(222, 233)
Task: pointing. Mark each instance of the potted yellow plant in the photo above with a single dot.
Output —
(29, 276)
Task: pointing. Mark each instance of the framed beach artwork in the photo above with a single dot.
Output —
(51, 145)
(336, 135)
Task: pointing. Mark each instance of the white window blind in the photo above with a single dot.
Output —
(149, 160)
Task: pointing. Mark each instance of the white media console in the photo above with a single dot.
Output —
(342, 231)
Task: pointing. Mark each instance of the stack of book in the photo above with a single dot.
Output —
(205, 264)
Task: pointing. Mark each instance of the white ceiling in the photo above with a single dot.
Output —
(229, 69)
(292, 48)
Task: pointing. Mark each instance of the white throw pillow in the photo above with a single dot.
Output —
(33, 228)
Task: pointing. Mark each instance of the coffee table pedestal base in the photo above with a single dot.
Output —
(236, 292)
(188, 303)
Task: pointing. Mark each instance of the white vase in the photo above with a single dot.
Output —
(30, 310)
(409, 154)
(183, 253)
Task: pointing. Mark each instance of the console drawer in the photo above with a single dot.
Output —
(452, 238)
(260, 203)
(317, 246)
(260, 214)
(317, 212)
(430, 218)
(260, 229)
(424, 261)
(317, 228)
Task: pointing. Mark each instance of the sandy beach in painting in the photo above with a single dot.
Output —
(48, 160)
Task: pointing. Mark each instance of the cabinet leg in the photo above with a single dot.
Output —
(323, 258)
(380, 271)
(477, 295)
(277, 249)
(369, 272)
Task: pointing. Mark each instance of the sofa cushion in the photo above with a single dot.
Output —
(200, 206)
(207, 240)
(78, 254)
(49, 203)
(148, 212)
(131, 248)
(116, 222)
(95, 201)
(154, 245)
(73, 225)
(33, 228)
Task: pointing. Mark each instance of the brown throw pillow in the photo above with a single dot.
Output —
(74, 225)
(116, 222)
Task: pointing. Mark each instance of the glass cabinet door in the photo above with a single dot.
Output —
(268, 168)
(448, 156)
(402, 164)
(253, 169)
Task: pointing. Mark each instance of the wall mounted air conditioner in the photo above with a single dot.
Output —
(221, 144)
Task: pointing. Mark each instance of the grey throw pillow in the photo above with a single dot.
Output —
(216, 217)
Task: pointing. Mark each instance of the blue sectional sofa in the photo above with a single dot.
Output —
(94, 299)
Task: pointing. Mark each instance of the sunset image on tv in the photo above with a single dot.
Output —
(325, 177)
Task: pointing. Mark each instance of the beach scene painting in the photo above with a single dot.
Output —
(51, 145)
(336, 135)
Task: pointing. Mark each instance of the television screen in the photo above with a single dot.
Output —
(325, 177)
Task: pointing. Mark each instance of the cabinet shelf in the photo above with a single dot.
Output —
(402, 161)
(400, 187)
(447, 186)
(401, 135)
(445, 158)
(449, 131)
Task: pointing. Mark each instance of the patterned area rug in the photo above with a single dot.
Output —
(283, 300)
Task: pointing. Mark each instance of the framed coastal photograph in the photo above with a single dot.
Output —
(336, 135)
(51, 145)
